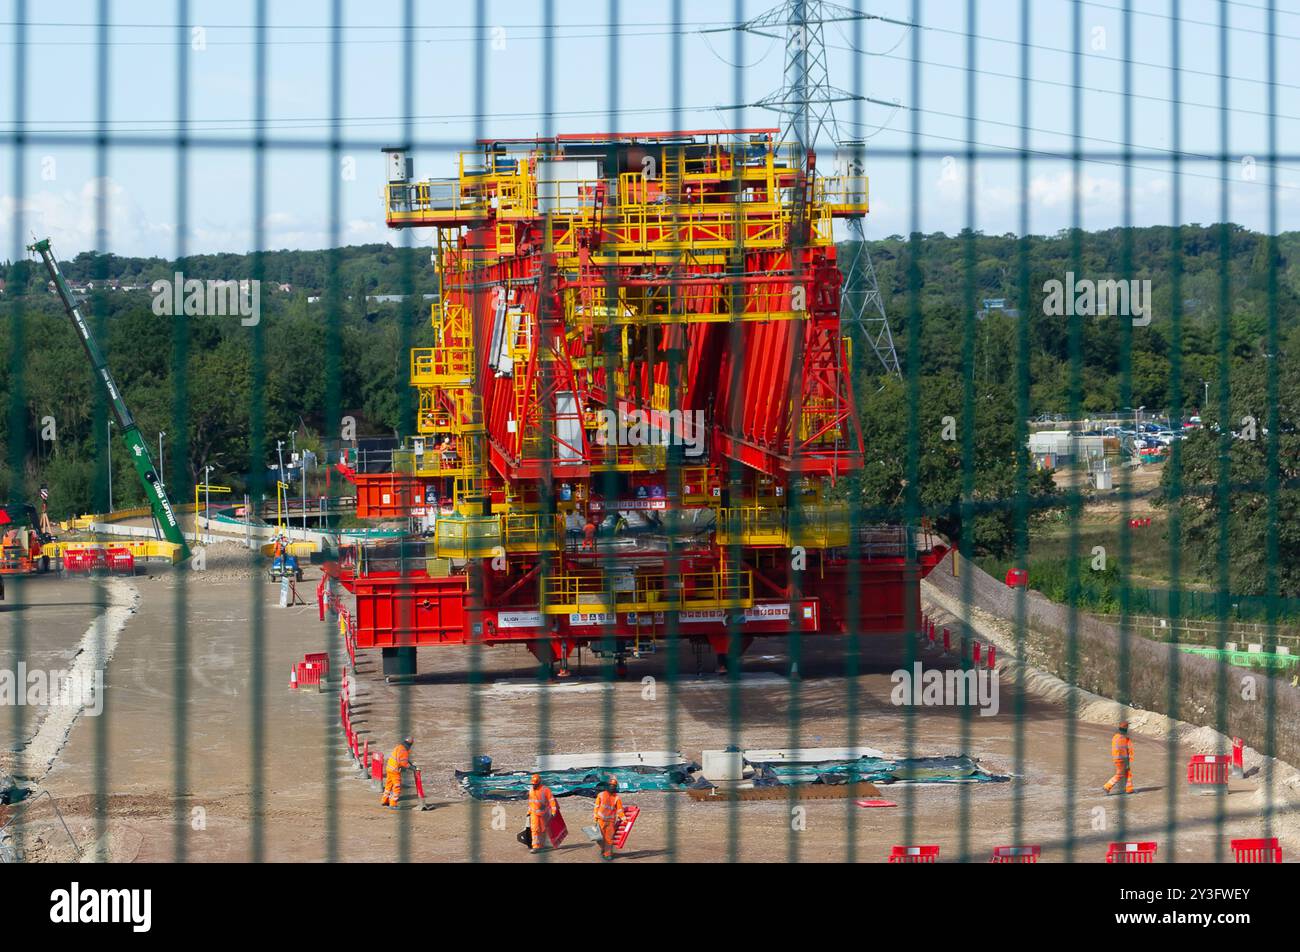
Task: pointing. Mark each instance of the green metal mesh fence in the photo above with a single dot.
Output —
(1039, 166)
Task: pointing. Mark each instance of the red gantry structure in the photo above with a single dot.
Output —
(637, 404)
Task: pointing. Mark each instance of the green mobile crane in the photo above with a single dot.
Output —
(153, 487)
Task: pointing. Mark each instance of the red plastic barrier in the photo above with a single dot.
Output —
(365, 753)
(1017, 578)
(1238, 748)
(1131, 852)
(913, 854)
(309, 674)
(419, 785)
(1208, 770)
(992, 656)
(932, 629)
(624, 826)
(1257, 851)
(377, 767)
(318, 657)
(1015, 854)
(84, 560)
(120, 560)
(976, 653)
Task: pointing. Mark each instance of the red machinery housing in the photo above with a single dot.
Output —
(637, 410)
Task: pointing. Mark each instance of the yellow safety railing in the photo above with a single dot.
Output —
(821, 418)
(467, 537)
(695, 485)
(637, 592)
(470, 491)
(480, 536)
(688, 303)
(432, 201)
(533, 531)
(432, 418)
(843, 194)
(627, 459)
(813, 525)
(442, 366)
(751, 525)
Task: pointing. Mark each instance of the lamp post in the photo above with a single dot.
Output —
(207, 507)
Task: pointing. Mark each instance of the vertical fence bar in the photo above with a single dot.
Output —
(257, 457)
(17, 356)
(181, 444)
(1175, 459)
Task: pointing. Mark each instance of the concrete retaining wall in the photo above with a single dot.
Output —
(1197, 682)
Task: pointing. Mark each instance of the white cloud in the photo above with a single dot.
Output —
(69, 218)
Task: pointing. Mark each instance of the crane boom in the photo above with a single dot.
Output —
(153, 487)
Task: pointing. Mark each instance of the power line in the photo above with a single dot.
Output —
(330, 40)
(310, 122)
(1095, 159)
(486, 28)
(1117, 60)
(1182, 20)
(694, 28)
(1038, 80)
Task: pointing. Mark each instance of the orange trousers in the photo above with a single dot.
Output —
(392, 788)
(540, 830)
(607, 828)
(1123, 771)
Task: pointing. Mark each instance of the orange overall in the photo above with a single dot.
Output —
(541, 807)
(1121, 751)
(398, 761)
(609, 810)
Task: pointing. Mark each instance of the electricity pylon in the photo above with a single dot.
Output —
(806, 102)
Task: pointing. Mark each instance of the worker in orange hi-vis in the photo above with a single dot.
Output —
(609, 810)
(1121, 751)
(398, 760)
(541, 807)
(589, 536)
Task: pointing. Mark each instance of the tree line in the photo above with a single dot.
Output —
(980, 353)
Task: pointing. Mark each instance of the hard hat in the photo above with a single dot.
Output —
(613, 783)
(537, 778)
(1123, 726)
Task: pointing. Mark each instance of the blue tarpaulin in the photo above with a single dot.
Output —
(579, 781)
(878, 770)
(586, 781)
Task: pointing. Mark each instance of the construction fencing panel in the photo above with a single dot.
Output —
(819, 426)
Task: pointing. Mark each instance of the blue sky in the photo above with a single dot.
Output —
(60, 181)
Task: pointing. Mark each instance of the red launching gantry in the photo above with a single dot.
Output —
(637, 403)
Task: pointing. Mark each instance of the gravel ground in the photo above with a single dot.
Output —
(168, 771)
